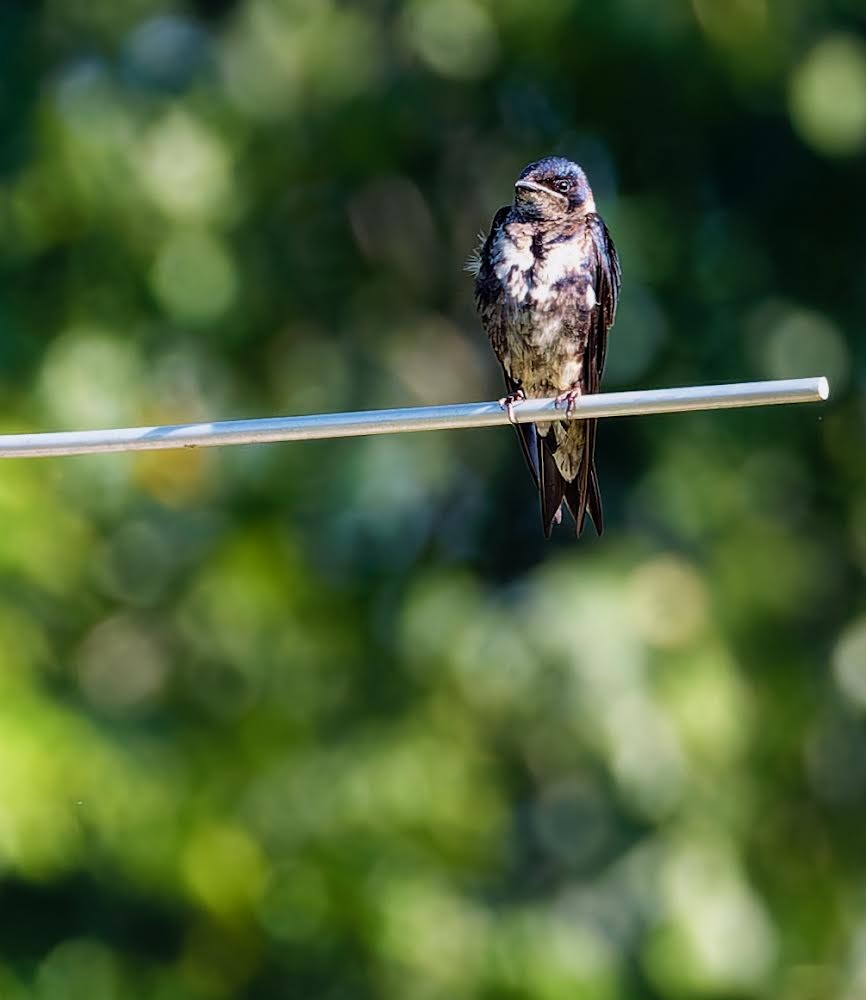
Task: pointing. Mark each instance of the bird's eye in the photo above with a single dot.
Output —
(564, 185)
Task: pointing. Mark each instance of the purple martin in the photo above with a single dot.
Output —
(546, 287)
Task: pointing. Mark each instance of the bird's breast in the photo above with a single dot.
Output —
(545, 301)
(540, 274)
(514, 266)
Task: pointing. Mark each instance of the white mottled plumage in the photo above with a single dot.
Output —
(543, 352)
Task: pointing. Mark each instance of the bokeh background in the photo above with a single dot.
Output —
(331, 720)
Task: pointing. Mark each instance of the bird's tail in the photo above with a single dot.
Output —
(582, 494)
(551, 487)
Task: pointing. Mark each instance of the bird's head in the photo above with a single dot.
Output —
(551, 189)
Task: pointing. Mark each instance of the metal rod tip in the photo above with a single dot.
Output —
(823, 388)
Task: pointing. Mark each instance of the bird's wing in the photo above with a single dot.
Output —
(607, 282)
(527, 435)
(583, 494)
(488, 293)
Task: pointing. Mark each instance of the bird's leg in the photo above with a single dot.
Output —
(508, 402)
(569, 397)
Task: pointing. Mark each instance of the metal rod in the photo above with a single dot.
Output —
(423, 418)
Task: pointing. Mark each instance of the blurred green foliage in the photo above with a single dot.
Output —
(330, 719)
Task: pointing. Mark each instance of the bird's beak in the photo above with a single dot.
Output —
(533, 188)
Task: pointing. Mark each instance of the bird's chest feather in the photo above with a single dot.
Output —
(546, 298)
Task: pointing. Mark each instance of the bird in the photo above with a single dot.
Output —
(547, 281)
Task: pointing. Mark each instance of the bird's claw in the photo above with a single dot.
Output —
(508, 402)
(570, 399)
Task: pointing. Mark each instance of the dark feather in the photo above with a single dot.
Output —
(487, 291)
(526, 434)
(551, 486)
(594, 505)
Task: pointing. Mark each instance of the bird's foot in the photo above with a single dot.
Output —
(510, 401)
(569, 399)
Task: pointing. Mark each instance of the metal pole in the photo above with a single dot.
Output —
(423, 418)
